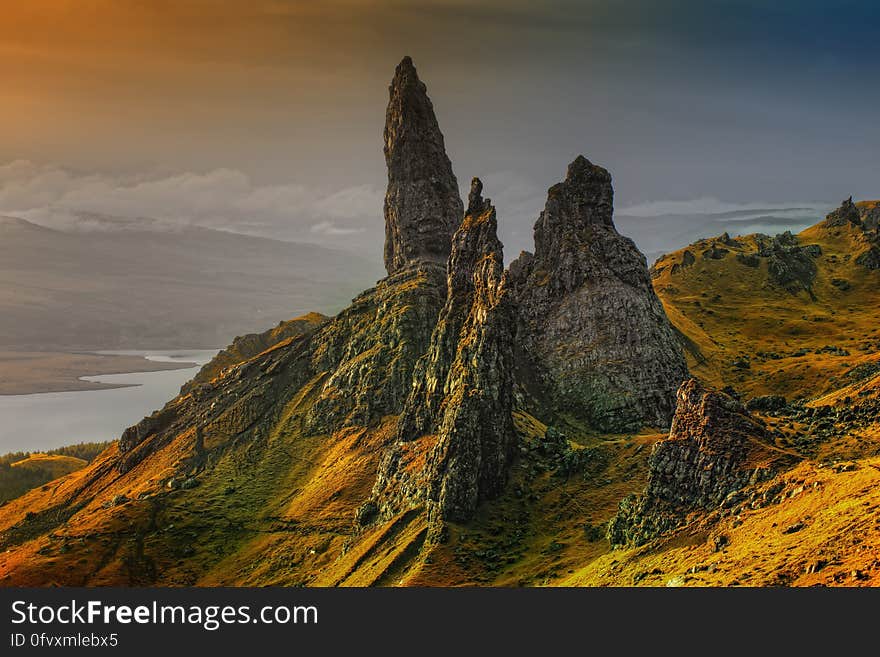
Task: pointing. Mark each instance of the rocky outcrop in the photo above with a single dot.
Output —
(869, 215)
(789, 264)
(590, 325)
(869, 212)
(422, 204)
(368, 352)
(846, 214)
(715, 448)
(456, 431)
(870, 259)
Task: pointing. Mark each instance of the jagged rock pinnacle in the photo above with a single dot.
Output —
(715, 447)
(462, 392)
(847, 213)
(584, 198)
(422, 203)
(476, 203)
(589, 318)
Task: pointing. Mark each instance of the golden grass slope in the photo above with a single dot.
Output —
(730, 313)
(825, 532)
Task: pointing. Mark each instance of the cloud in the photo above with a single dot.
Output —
(710, 206)
(350, 203)
(221, 198)
(329, 228)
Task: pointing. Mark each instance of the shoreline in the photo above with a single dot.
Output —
(38, 372)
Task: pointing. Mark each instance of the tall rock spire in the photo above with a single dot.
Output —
(456, 431)
(422, 204)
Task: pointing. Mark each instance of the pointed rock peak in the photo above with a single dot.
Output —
(422, 204)
(477, 237)
(590, 322)
(476, 203)
(581, 169)
(406, 78)
(406, 64)
(584, 198)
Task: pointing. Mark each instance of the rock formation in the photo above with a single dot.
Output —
(401, 404)
(715, 447)
(790, 265)
(870, 215)
(422, 203)
(456, 430)
(847, 213)
(370, 349)
(589, 320)
(866, 216)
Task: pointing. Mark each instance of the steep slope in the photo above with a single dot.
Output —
(270, 456)
(245, 347)
(589, 321)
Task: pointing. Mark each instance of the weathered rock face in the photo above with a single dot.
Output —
(368, 352)
(847, 213)
(870, 215)
(714, 449)
(422, 204)
(589, 320)
(456, 431)
(870, 258)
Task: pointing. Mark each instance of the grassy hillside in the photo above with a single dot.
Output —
(746, 329)
(247, 346)
(23, 471)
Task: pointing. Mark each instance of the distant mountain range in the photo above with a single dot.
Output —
(110, 283)
(659, 234)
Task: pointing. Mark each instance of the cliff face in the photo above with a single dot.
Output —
(456, 430)
(715, 447)
(589, 320)
(422, 204)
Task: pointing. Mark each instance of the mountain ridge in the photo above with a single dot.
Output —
(102, 290)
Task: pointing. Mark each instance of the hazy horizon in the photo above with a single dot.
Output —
(265, 117)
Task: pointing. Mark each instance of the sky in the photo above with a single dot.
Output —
(265, 116)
